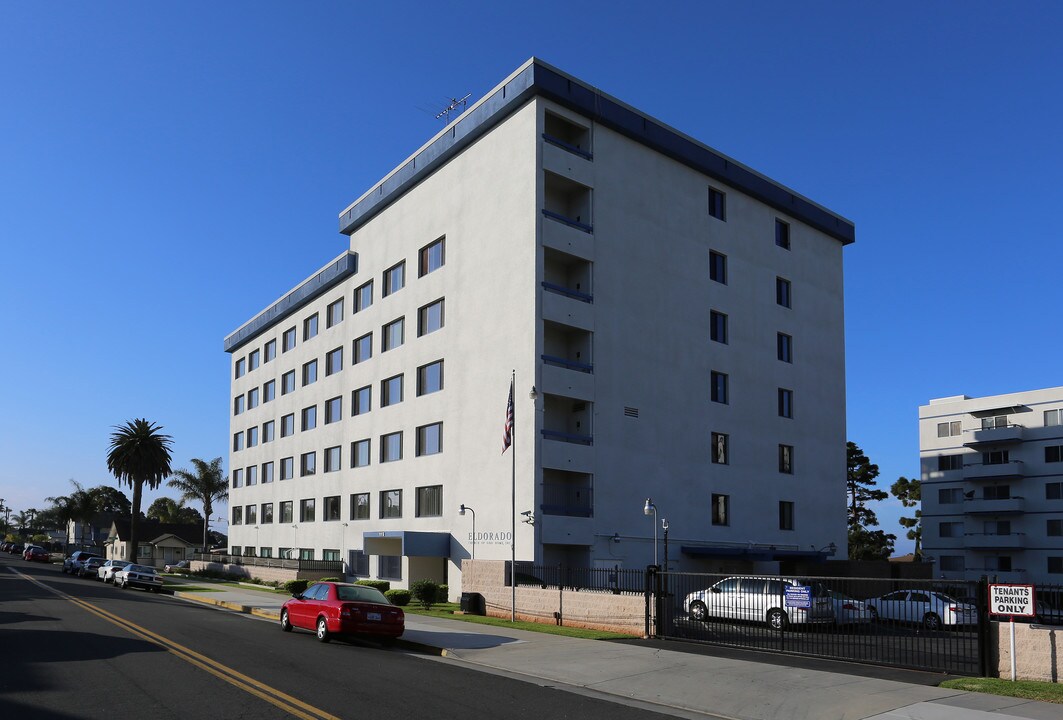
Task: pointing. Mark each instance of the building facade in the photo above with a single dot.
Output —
(671, 321)
(992, 486)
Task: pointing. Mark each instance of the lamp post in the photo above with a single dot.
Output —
(651, 509)
(295, 549)
(461, 511)
(664, 526)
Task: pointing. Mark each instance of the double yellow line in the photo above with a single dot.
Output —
(274, 697)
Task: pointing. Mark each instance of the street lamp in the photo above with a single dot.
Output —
(461, 511)
(651, 509)
(664, 526)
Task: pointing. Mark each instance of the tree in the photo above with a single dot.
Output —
(111, 499)
(79, 506)
(138, 454)
(168, 510)
(864, 543)
(205, 484)
(909, 492)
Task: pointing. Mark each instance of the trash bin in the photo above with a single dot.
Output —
(473, 604)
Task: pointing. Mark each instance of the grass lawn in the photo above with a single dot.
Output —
(1026, 689)
(186, 588)
(447, 611)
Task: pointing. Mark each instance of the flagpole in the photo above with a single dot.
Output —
(513, 504)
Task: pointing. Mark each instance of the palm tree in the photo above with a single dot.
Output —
(80, 506)
(139, 454)
(207, 485)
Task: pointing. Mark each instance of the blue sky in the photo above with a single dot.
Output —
(167, 170)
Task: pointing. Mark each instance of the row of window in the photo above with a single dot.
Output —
(718, 272)
(1053, 454)
(428, 502)
(1002, 563)
(953, 428)
(718, 332)
(953, 496)
(721, 453)
(719, 384)
(721, 511)
(389, 567)
(718, 210)
(955, 529)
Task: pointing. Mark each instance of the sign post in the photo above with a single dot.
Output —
(1012, 600)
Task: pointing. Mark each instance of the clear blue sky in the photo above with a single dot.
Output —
(167, 170)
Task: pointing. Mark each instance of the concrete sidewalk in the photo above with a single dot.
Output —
(683, 684)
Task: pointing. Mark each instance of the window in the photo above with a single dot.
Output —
(238, 516)
(253, 360)
(719, 448)
(241, 368)
(334, 361)
(363, 297)
(951, 563)
(266, 552)
(391, 447)
(287, 468)
(238, 404)
(269, 351)
(332, 511)
(286, 512)
(252, 398)
(363, 348)
(950, 529)
(392, 334)
(306, 553)
(991, 423)
(431, 258)
(309, 418)
(310, 327)
(717, 327)
(1054, 453)
(252, 436)
(782, 234)
(430, 439)
(360, 506)
(717, 204)
(950, 462)
(394, 279)
(949, 429)
(288, 382)
(430, 378)
(333, 410)
(359, 563)
(1054, 491)
(786, 403)
(307, 464)
(786, 515)
(267, 513)
(309, 373)
(1053, 417)
(267, 431)
(288, 340)
(999, 457)
(718, 380)
(251, 514)
(269, 391)
(950, 496)
(391, 391)
(1055, 565)
(361, 400)
(429, 501)
(332, 459)
(717, 267)
(288, 425)
(334, 313)
(785, 347)
(721, 510)
(306, 510)
(782, 292)
(238, 478)
(333, 555)
(238, 441)
(360, 453)
(786, 459)
(996, 492)
(391, 504)
(389, 567)
(430, 318)
(1054, 528)
(267, 472)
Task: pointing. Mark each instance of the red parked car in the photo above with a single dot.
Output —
(332, 608)
(36, 554)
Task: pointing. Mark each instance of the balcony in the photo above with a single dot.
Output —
(568, 498)
(567, 202)
(567, 310)
(993, 541)
(1004, 506)
(1001, 435)
(976, 472)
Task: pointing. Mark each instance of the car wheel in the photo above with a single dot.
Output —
(125, 584)
(777, 619)
(931, 621)
(322, 630)
(286, 625)
(698, 611)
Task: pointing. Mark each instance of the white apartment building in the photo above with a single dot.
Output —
(992, 486)
(673, 321)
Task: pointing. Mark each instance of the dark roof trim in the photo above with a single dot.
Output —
(537, 78)
(337, 271)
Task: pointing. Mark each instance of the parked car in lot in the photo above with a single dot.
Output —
(333, 608)
(933, 610)
(90, 567)
(107, 570)
(70, 564)
(757, 599)
(35, 553)
(142, 576)
(847, 610)
(177, 567)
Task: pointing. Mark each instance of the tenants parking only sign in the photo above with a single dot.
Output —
(1014, 600)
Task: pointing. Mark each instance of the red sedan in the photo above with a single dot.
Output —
(332, 608)
(37, 554)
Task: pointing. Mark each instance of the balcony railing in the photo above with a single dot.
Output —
(568, 221)
(995, 541)
(568, 292)
(568, 499)
(1001, 506)
(993, 471)
(567, 146)
(1010, 433)
(567, 437)
(570, 364)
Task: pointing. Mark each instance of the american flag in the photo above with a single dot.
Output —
(507, 431)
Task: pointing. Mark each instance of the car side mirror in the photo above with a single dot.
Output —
(297, 596)
(717, 590)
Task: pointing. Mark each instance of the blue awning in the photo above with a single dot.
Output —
(406, 543)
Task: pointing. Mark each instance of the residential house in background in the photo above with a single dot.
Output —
(161, 544)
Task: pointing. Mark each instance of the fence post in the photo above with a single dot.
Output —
(651, 584)
(982, 603)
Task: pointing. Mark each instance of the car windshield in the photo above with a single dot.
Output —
(361, 593)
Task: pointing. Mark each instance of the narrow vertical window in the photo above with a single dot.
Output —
(782, 234)
(717, 204)
(717, 267)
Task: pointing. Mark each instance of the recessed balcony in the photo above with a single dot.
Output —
(1000, 471)
(1004, 506)
(993, 541)
(1007, 434)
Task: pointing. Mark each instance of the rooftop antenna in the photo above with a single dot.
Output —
(455, 103)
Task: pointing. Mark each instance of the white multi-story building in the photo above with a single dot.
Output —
(992, 486)
(673, 321)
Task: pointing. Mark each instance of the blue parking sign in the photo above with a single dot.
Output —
(799, 596)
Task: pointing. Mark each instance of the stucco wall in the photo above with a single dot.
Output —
(1038, 655)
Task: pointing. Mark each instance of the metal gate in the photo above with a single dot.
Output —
(925, 625)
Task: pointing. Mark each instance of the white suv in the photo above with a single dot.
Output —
(76, 559)
(759, 599)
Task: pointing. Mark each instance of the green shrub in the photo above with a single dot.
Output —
(381, 585)
(425, 592)
(329, 579)
(296, 587)
(444, 593)
(398, 597)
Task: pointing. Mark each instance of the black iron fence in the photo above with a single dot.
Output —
(600, 579)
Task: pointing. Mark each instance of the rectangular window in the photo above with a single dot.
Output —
(361, 400)
(306, 553)
(392, 335)
(241, 368)
(782, 292)
(429, 501)
(334, 313)
(333, 410)
(782, 234)
(267, 472)
(269, 391)
(252, 398)
(431, 257)
(394, 279)
(309, 418)
(430, 378)
(286, 511)
(717, 327)
(308, 464)
(948, 429)
(999, 457)
(389, 567)
(719, 448)
(306, 510)
(1054, 491)
(786, 515)
(309, 373)
(267, 431)
(332, 510)
(359, 563)
(363, 297)
(391, 504)
(360, 453)
(252, 436)
(391, 391)
(310, 327)
(786, 459)
(718, 381)
(266, 552)
(252, 475)
(992, 423)
(238, 441)
(785, 347)
(334, 361)
(786, 403)
(950, 462)
(238, 404)
(238, 516)
(360, 506)
(363, 348)
(1053, 417)
(288, 382)
(1054, 528)
(287, 468)
(253, 360)
(269, 351)
(333, 462)
(238, 478)
(333, 555)
(1053, 453)
(717, 267)
(430, 318)
(717, 204)
(430, 439)
(391, 447)
(1055, 565)
(251, 514)
(950, 496)
(721, 510)
(950, 529)
(288, 340)
(288, 425)
(267, 513)
(951, 563)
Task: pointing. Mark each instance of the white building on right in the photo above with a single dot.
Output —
(992, 486)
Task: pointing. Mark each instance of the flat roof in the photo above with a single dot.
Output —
(534, 78)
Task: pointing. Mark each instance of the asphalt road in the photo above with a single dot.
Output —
(75, 648)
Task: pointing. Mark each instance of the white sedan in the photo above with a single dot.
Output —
(933, 610)
(106, 571)
(847, 610)
(142, 576)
